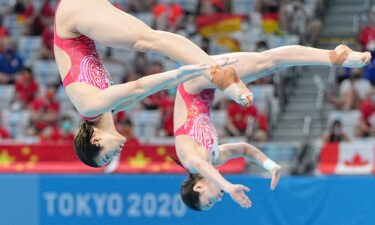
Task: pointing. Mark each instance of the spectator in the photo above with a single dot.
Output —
(296, 19)
(367, 34)
(4, 133)
(62, 132)
(44, 111)
(208, 7)
(46, 48)
(166, 107)
(66, 128)
(246, 121)
(25, 88)
(4, 33)
(141, 63)
(335, 133)
(367, 121)
(314, 21)
(153, 101)
(10, 62)
(353, 91)
(38, 16)
(124, 127)
(168, 16)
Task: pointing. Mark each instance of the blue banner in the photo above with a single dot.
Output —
(154, 199)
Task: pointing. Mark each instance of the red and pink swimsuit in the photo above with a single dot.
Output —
(86, 64)
(198, 123)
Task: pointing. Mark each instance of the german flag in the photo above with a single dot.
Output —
(215, 25)
(270, 23)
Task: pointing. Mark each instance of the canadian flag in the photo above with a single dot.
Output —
(348, 158)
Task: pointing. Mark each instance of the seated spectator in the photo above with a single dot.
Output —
(207, 7)
(44, 112)
(124, 127)
(166, 107)
(4, 133)
(335, 133)
(246, 121)
(46, 49)
(25, 88)
(367, 34)
(168, 16)
(36, 19)
(4, 33)
(367, 122)
(153, 101)
(297, 19)
(353, 91)
(62, 132)
(141, 63)
(10, 62)
(313, 27)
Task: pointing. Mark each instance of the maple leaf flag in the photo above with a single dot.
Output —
(348, 158)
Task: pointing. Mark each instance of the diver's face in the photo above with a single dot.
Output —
(111, 145)
(209, 193)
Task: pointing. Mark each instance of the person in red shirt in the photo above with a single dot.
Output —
(246, 121)
(367, 121)
(124, 127)
(168, 16)
(4, 133)
(238, 118)
(62, 132)
(37, 19)
(45, 111)
(25, 88)
(367, 34)
(46, 48)
(4, 32)
(153, 101)
(166, 107)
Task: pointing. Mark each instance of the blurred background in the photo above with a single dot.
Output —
(318, 123)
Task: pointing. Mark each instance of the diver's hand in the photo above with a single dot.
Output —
(237, 193)
(276, 173)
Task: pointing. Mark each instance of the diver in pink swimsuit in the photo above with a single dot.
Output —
(90, 87)
(198, 124)
(196, 139)
(86, 65)
(197, 148)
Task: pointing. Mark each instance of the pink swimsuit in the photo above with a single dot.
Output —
(198, 123)
(86, 64)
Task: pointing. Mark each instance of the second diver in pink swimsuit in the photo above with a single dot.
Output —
(198, 124)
